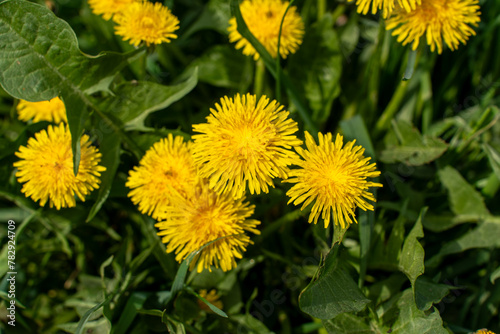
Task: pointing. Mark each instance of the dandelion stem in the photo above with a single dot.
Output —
(321, 9)
(390, 111)
(260, 70)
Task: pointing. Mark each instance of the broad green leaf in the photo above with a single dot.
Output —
(385, 289)
(332, 293)
(110, 150)
(317, 67)
(413, 148)
(485, 235)
(134, 101)
(223, 66)
(215, 16)
(347, 324)
(428, 293)
(40, 59)
(411, 261)
(411, 320)
(464, 199)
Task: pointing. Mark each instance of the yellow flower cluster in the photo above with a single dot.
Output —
(51, 111)
(438, 21)
(263, 19)
(196, 190)
(46, 168)
(484, 331)
(138, 21)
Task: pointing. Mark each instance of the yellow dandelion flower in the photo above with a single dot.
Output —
(146, 22)
(245, 142)
(166, 167)
(334, 178)
(52, 111)
(212, 297)
(108, 8)
(484, 331)
(46, 168)
(386, 5)
(437, 20)
(263, 18)
(203, 216)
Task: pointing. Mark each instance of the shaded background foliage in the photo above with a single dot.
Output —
(426, 259)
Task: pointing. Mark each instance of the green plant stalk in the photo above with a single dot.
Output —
(321, 9)
(278, 56)
(258, 81)
(389, 112)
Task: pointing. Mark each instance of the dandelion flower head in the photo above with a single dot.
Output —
(203, 216)
(212, 297)
(334, 178)
(245, 143)
(484, 331)
(263, 18)
(437, 20)
(52, 111)
(143, 21)
(165, 168)
(108, 8)
(46, 168)
(386, 5)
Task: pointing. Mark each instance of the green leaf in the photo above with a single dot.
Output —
(355, 128)
(413, 149)
(411, 261)
(215, 15)
(332, 293)
(180, 276)
(223, 66)
(317, 67)
(428, 293)
(83, 321)
(347, 324)
(214, 308)
(411, 320)
(134, 101)
(133, 305)
(495, 275)
(385, 253)
(110, 150)
(493, 158)
(40, 59)
(464, 199)
(485, 235)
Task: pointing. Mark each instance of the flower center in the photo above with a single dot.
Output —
(147, 22)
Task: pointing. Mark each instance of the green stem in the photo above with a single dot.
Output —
(392, 108)
(258, 81)
(321, 9)
(278, 57)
